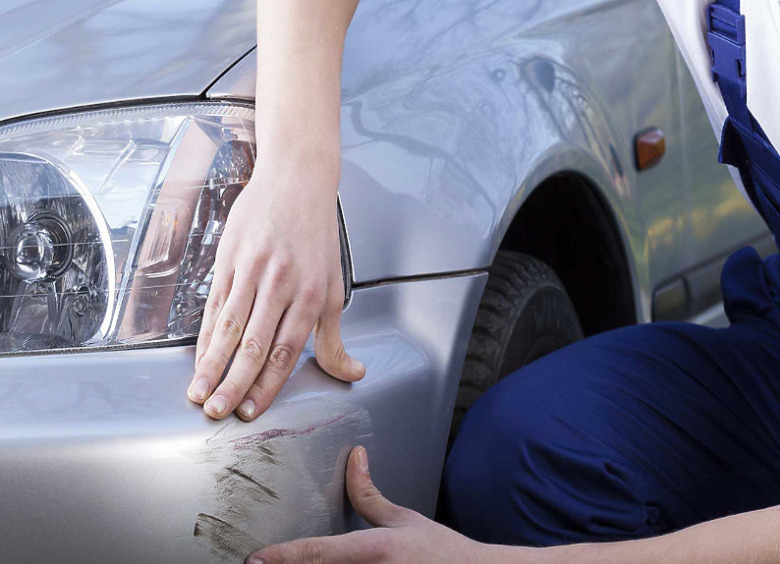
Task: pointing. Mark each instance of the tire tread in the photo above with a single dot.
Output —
(514, 277)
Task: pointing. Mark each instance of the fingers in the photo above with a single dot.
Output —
(224, 338)
(328, 347)
(369, 503)
(220, 289)
(243, 324)
(286, 349)
(250, 356)
(360, 546)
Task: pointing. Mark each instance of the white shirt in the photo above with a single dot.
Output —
(688, 22)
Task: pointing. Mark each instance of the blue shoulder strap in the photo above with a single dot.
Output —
(744, 144)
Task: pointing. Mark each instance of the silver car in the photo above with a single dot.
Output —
(475, 133)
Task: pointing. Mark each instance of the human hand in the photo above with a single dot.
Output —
(277, 274)
(401, 536)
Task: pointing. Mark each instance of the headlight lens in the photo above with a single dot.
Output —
(110, 220)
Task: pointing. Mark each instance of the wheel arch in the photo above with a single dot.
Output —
(568, 222)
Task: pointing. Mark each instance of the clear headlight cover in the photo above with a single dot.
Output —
(110, 220)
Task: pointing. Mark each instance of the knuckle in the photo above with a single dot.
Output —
(214, 304)
(231, 389)
(253, 349)
(371, 496)
(230, 328)
(311, 295)
(214, 362)
(338, 354)
(282, 357)
(283, 263)
(265, 248)
(281, 272)
(260, 252)
(283, 258)
(204, 338)
(335, 304)
(255, 266)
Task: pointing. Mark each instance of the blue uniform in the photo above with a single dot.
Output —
(647, 429)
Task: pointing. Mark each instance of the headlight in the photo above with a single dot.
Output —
(110, 220)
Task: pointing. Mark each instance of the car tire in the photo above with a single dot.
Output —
(525, 314)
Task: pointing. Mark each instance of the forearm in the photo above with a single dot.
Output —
(300, 49)
(749, 538)
(278, 272)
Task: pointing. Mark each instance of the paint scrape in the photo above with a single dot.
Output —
(281, 483)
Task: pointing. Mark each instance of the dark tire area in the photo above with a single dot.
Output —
(525, 314)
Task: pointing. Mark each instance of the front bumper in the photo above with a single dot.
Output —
(104, 459)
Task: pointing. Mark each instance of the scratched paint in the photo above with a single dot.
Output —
(226, 541)
(279, 483)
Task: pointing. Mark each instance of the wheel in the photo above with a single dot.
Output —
(525, 314)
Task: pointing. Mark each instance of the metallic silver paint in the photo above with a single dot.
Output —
(104, 458)
(69, 53)
(455, 111)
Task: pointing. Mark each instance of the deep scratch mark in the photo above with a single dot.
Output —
(286, 459)
(224, 539)
(265, 489)
(205, 522)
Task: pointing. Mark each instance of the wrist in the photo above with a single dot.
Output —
(299, 138)
(307, 165)
(290, 109)
(288, 140)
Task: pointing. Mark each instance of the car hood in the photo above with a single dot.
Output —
(71, 53)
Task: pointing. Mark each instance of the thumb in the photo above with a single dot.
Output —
(369, 503)
(329, 348)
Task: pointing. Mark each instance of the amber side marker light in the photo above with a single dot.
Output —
(649, 148)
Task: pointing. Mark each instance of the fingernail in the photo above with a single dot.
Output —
(247, 408)
(358, 367)
(255, 561)
(199, 390)
(217, 405)
(362, 460)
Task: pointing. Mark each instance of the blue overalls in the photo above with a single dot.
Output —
(647, 429)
